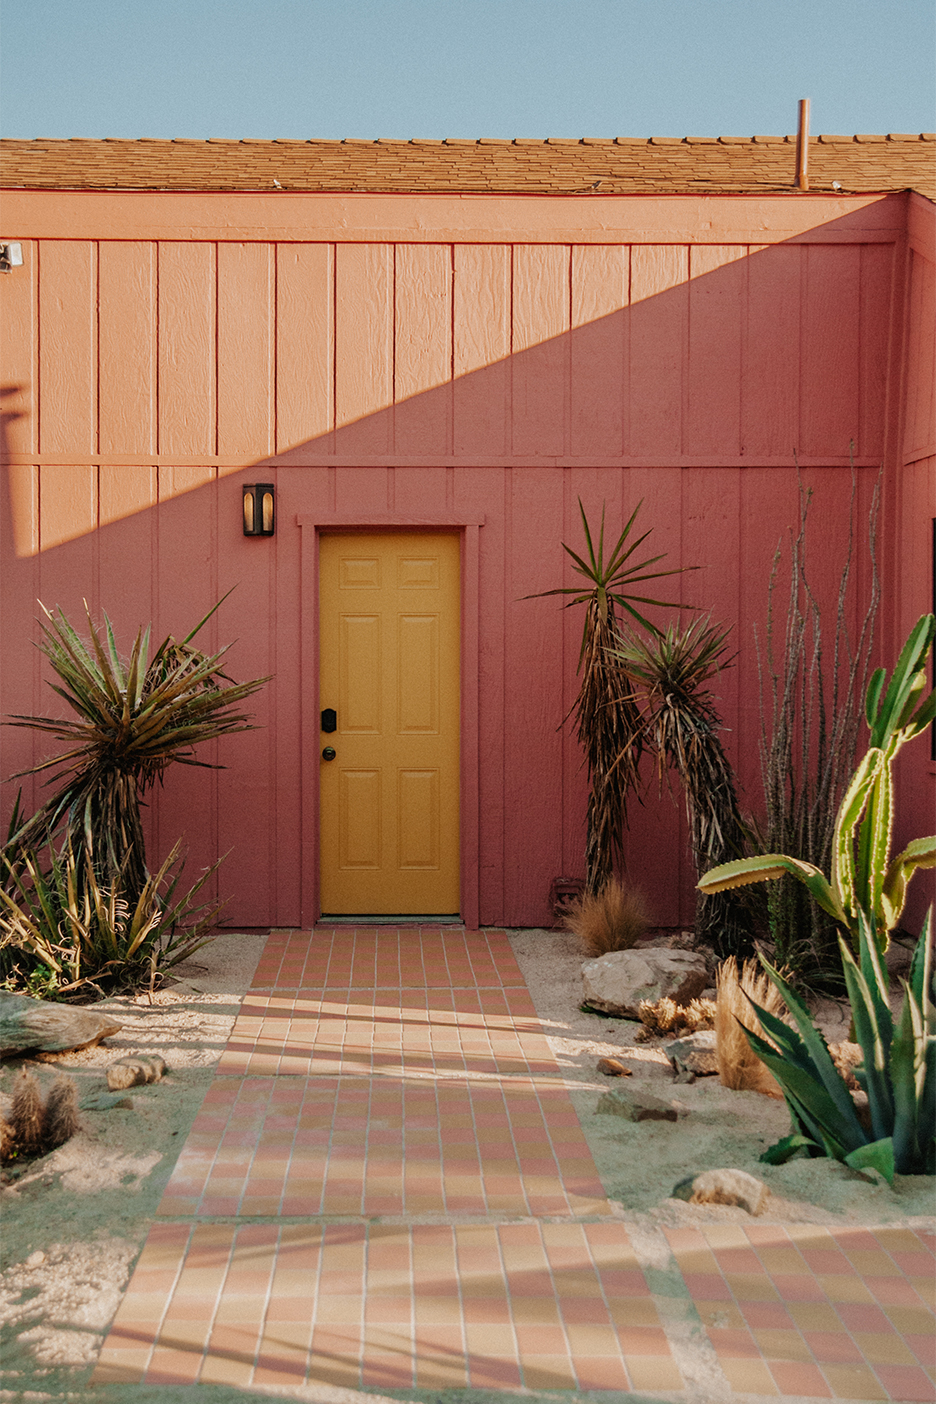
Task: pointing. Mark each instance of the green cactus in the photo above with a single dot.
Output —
(864, 876)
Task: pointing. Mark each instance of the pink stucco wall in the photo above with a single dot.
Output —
(478, 363)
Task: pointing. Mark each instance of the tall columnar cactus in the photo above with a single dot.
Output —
(864, 877)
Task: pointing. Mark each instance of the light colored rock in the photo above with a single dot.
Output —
(618, 981)
(49, 1028)
(694, 1054)
(725, 1187)
(135, 1072)
(613, 1067)
(635, 1105)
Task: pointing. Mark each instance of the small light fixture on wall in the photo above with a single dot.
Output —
(259, 509)
(11, 256)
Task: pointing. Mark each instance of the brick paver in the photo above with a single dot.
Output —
(807, 1310)
(387, 1187)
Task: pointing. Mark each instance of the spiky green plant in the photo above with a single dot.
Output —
(56, 917)
(134, 719)
(670, 671)
(864, 878)
(607, 719)
(898, 1072)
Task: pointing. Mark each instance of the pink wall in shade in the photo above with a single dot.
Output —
(477, 363)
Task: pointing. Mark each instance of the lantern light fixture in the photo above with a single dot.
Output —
(259, 509)
(11, 256)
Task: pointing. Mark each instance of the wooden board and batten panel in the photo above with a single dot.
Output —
(522, 356)
(389, 669)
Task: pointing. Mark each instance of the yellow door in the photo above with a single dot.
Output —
(389, 619)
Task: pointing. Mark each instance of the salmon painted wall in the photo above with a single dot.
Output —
(915, 526)
(448, 360)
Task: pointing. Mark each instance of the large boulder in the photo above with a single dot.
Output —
(49, 1028)
(618, 981)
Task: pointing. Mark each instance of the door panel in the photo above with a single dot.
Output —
(389, 665)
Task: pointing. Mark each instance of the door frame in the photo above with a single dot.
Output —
(311, 527)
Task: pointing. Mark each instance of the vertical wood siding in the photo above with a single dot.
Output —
(431, 379)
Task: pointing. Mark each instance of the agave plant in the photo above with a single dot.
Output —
(133, 720)
(898, 1072)
(680, 720)
(607, 719)
(865, 880)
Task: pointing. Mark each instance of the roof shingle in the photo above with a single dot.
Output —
(861, 164)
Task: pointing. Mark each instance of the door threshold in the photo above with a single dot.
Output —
(401, 919)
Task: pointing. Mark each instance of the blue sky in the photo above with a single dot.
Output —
(463, 68)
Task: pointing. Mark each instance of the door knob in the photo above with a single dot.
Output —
(329, 753)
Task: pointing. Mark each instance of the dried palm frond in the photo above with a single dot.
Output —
(738, 1065)
(682, 724)
(607, 719)
(613, 919)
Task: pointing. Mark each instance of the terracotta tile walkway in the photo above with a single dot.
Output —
(387, 1187)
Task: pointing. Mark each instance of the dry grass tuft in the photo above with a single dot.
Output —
(738, 1065)
(668, 1017)
(613, 919)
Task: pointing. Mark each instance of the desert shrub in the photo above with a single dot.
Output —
(613, 919)
(814, 678)
(866, 882)
(63, 933)
(738, 1065)
(665, 1016)
(608, 723)
(78, 903)
(671, 671)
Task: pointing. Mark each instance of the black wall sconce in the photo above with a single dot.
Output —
(259, 509)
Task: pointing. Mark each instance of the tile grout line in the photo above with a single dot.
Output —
(693, 1352)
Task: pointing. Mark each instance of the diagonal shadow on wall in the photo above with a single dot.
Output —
(691, 396)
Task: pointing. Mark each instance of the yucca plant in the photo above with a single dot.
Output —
(134, 719)
(865, 881)
(670, 671)
(56, 917)
(898, 1072)
(607, 719)
(78, 904)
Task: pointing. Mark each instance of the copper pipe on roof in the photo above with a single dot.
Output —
(802, 146)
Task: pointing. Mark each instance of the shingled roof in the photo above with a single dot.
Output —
(621, 165)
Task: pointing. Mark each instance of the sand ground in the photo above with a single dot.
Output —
(75, 1221)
